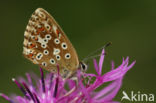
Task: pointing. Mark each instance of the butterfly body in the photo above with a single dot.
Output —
(46, 44)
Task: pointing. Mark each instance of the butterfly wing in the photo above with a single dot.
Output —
(46, 44)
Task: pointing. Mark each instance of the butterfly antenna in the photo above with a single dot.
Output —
(91, 55)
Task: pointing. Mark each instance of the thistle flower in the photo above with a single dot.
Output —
(53, 89)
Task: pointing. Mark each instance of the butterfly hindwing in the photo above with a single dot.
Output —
(46, 44)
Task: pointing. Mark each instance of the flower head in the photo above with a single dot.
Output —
(53, 89)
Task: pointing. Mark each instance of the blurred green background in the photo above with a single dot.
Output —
(129, 24)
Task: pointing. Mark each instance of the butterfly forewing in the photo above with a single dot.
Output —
(46, 44)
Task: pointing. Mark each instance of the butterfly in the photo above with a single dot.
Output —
(46, 45)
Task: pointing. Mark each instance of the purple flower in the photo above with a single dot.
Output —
(53, 89)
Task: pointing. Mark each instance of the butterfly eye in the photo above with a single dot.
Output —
(46, 52)
(52, 61)
(48, 36)
(57, 41)
(84, 67)
(44, 64)
(64, 45)
(67, 56)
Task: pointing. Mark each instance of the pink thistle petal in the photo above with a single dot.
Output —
(83, 89)
(52, 88)
(42, 80)
(71, 84)
(111, 89)
(96, 66)
(112, 75)
(6, 97)
(101, 61)
(91, 75)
